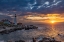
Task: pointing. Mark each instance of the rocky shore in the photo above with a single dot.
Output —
(7, 30)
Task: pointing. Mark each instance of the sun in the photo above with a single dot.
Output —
(52, 21)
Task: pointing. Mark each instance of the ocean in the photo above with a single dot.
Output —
(56, 31)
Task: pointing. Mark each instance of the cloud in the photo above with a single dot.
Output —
(26, 10)
(32, 5)
(40, 18)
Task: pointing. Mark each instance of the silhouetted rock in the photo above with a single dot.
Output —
(34, 39)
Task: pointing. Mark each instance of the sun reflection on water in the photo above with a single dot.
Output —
(53, 32)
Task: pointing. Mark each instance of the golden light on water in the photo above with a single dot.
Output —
(47, 18)
(53, 32)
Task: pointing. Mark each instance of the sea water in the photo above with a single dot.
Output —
(27, 35)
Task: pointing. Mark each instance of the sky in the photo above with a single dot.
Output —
(32, 11)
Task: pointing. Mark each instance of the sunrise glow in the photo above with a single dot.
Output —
(48, 18)
(53, 21)
(31, 20)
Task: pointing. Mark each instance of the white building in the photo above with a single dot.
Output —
(15, 20)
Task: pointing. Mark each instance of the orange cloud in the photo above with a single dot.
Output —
(41, 18)
(48, 17)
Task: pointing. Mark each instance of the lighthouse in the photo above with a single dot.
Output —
(15, 20)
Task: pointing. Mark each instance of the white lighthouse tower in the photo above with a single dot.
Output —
(15, 20)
